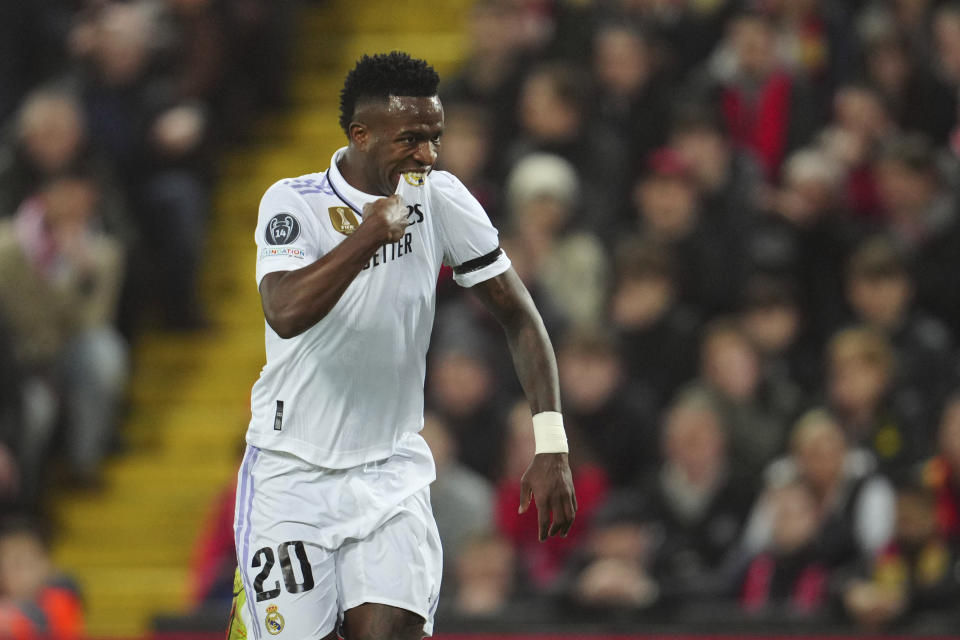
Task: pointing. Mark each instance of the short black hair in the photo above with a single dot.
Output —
(384, 75)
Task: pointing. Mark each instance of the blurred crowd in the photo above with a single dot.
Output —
(112, 117)
(740, 221)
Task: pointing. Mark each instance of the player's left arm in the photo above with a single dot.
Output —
(548, 479)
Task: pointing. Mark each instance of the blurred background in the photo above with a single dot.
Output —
(739, 219)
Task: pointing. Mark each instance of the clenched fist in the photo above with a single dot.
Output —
(387, 216)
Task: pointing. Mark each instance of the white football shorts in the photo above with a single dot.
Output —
(314, 542)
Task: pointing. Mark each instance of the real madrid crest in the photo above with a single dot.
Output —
(273, 621)
(414, 178)
(343, 219)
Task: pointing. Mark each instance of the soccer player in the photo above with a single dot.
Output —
(333, 519)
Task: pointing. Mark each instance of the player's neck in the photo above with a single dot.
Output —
(351, 168)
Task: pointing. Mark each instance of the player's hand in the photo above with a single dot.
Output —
(387, 216)
(548, 481)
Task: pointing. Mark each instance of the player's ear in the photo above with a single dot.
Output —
(359, 134)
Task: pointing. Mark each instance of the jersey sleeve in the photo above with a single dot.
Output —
(287, 237)
(471, 244)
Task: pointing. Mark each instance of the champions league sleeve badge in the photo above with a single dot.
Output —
(283, 228)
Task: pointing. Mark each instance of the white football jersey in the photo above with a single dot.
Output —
(343, 392)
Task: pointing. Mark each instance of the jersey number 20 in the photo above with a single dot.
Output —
(265, 557)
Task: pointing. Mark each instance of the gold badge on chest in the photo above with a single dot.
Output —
(343, 219)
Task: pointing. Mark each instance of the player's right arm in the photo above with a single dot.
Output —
(293, 301)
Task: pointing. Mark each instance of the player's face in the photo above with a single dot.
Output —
(400, 136)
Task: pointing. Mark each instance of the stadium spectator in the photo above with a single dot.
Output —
(942, 472)
(860, 372)
(614, 417)
(196, 50)
(812, 39)
(765, 108)
(730, 186)
(789, 578)
(540, 565)
(614, 572)
(772, 318)
(491, 73)
(59, 284)
(657, 333)
(467, 154)
(729, 180)
(945, 29)
(686, 31)
(36, 600)
(256, 77)
(667, 210)
(565, 265)
(486, 583)
(807, 235)
(880, 289)
(463, 393)
(854, 504)
(909, 18)
(552, 117)
(913, 583)
(461, 498)
(861, 121)
(923, 218)
(125, 93)
(807, 193)
(49, 136)
(630, 98)
(156, 140)
(917, 101)
(946, 64)
(756, 411)
(691, 508)
(463, 323)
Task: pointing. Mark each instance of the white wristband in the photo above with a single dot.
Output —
(548, 433)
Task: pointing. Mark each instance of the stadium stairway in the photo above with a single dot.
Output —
(129, 545)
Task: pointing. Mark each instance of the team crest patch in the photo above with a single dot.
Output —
(343, 219)
(273, 621)
(414, 178)
(283, 228)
